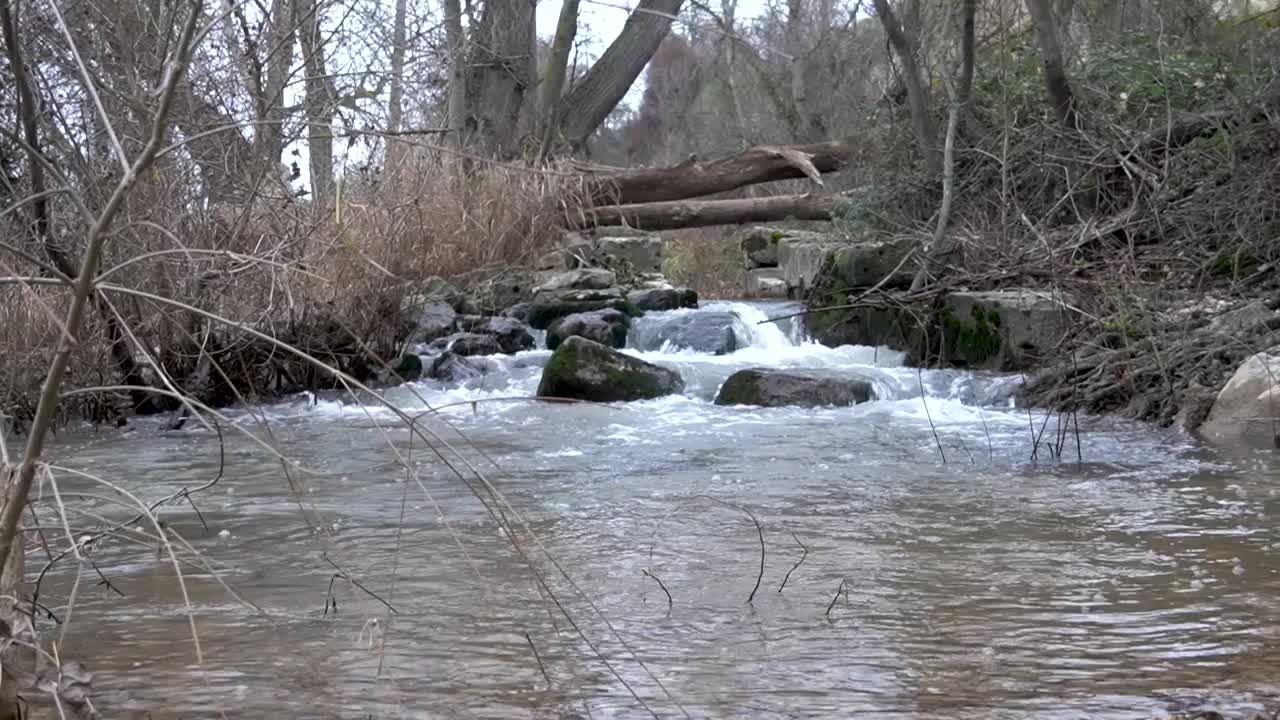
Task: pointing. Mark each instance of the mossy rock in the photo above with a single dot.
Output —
(771, 387)
(586, 370)
(974, 340)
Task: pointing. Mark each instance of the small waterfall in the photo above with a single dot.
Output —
(754, 330)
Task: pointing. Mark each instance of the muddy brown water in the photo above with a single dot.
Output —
(1136, 578)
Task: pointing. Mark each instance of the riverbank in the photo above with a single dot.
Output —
(1134, 582)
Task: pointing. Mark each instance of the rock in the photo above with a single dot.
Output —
(651, 281)
(630, 255)
(434, 288)
(863, 264)
(512, 334)
(490, 290)
(466, 344)
(547, 308)
(587, 370)
(573, 251)
(452, 367)
(1242, 318)
(760, 247)
(659, 298)
(802, 256)
(702, 331)
(409, 368)
(583, 279)
(1007, 330)
(428, 319)
(766, 282)
(1246, 412)
(805, 257)
(607, 327)
(800, 388)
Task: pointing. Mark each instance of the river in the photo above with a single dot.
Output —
(1120, 571)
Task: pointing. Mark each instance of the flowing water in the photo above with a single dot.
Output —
(1121, 572)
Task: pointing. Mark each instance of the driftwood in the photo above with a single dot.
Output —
(692, 178)
(702, 213)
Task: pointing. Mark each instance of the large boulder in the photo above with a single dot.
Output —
(546, 308)
(802, 388)
(704, 331)
(574, 250)
(582, 279)
(512, 335)
(865, 263)
(1246, 412)
(490, 290)
(466, 344)
(808, 258)
(1007, 330)
(454, 368)
(434, 288)
(766, 282)
(631, 255)
(587, 370)
(607, 327)
(427, 319)
(760, 247)
(802, 256)
(663, 298)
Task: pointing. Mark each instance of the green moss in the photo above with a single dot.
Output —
(975, 342)
(409, 368)
(622, 379)
(777, 235)
(1232, 264)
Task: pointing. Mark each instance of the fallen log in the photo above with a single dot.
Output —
(691, 178)
(703, 213)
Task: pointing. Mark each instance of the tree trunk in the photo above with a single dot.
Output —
(904, 47)
(395, 150)
(498, 76)
(968, 53)
(693, 179)
(591, 100)
(554, 78)
(1055, 73)
(703, 213)
(269, 134)
(809, 127)
(319, 105)
(456, 118)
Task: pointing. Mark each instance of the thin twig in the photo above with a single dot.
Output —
(343, 574)
(798, 562)
(834, 598)
(538, 657)
(658, 580)
(928, 416)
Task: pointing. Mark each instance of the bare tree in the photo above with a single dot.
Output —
(904, 46)
(1055, 72)
(395, 100)
(498, 75)
(320, 97)
(553, 80)
(456, 104)
(591, 99)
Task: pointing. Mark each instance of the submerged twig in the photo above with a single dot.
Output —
(658, 580)
(343, 574)
(798, 562)
(928, 416)
(835, 597)
(538, 657)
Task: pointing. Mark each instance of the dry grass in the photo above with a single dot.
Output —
(706, 259)
(275, 262)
